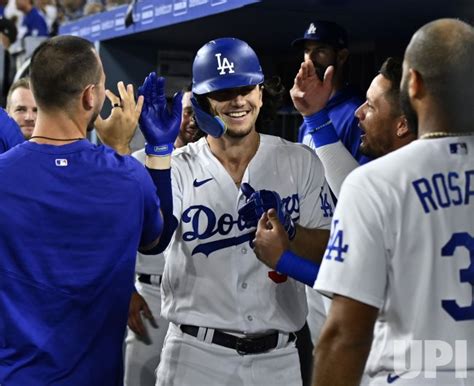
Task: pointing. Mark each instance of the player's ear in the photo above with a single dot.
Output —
(416, 87)
(88, 96)
(402, 127)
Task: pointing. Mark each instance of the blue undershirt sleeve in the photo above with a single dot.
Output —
(298, 268)
(162, 181)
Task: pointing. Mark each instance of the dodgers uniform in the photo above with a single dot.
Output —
(142, 354)
(212, 278)
(402, 240)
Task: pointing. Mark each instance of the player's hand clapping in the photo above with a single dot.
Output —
(159, 126)
(119, 127)
(309, 93)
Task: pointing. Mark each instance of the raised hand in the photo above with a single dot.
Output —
(159, 126)
(309, 93)
(118, 128)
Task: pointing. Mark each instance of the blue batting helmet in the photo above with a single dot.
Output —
(225, 63)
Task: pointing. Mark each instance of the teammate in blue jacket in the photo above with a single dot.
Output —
(73, 215)
(10, 133)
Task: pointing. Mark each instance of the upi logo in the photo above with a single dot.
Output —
(427, 356)
(224, 64)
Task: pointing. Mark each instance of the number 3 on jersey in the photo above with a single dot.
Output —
(465, 240)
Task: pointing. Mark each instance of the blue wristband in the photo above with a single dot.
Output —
(321, 128)
(298, 268)
(159, 150)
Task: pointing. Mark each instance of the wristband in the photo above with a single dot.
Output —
(159, 150)
(298, 268)
(321, 128)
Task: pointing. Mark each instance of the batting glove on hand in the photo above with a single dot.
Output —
(159, 126)
(259, 202)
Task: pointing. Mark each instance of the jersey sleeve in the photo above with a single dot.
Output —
(316, 204)
(151, 207)
(177, 186)
(338, 163)
(355, 263)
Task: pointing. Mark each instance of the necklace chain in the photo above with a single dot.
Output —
(57, 139)
(441, 134)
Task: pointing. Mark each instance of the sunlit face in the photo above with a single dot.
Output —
(377, 119)
(238, 108)
(188, 126)
(22, 108)
(322, 55)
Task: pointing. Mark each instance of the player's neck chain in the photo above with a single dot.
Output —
(441, 134)
(57, 139)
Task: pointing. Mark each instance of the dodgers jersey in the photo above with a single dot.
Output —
(402, 240)
(212, 277)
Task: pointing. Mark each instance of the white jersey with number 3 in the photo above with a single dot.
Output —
(402, 240)
(212, 277)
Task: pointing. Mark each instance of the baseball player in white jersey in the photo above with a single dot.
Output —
(147, 329)
(231, 318)
(401, 253)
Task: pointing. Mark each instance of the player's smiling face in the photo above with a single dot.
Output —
(22, 108)
(238, 108)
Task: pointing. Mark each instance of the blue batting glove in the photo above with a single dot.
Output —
(260, 201)
(159, 126)
(214, 126)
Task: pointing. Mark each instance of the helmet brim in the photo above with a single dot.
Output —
(228, 81)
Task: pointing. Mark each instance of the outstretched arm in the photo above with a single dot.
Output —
(310, 96)
(160, 127)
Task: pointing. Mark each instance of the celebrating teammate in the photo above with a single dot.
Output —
(232, 320)
(401, 252)
(147, 329)
(72, 217)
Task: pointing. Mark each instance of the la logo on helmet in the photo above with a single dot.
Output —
(224, 64)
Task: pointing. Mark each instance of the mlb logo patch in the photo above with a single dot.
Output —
(458, 148)
(60, 162)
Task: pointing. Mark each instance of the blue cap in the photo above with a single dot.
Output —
(324, 32)
(225, 63)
